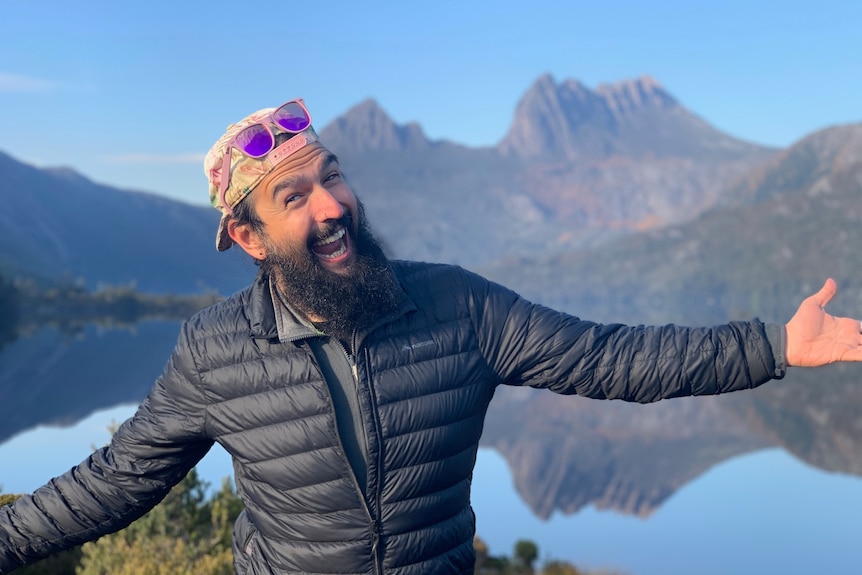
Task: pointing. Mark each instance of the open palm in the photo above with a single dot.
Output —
(816, 338)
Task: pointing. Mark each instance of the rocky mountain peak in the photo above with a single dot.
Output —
(632, 118)
(367, 126)
(629, 96)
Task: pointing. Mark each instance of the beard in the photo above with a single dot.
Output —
(346, 302)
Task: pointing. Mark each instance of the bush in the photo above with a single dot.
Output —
(186, 534)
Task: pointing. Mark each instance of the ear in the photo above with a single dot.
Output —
(246, 238)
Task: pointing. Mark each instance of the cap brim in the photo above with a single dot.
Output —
(223, 239)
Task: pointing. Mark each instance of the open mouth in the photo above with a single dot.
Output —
(332, 246)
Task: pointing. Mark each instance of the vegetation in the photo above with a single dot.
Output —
(69, 307)
(27, 304)
(190, 534)
(186, 534)
(523, 562)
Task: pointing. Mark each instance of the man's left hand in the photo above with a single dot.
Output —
(816, 338)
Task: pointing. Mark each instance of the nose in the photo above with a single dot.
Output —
(325, 206)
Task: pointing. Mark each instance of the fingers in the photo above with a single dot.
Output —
(826, 293)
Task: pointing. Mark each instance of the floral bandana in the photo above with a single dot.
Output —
(245, 172)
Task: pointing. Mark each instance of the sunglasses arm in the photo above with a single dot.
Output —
(225, 181)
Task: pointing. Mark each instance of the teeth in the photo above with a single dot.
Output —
(335, 254)
(335, 237)
(329, 239)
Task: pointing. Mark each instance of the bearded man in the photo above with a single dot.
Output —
(351, 391)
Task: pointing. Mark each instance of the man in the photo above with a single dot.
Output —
(351, 390)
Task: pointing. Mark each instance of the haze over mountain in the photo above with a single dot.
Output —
(575, 209)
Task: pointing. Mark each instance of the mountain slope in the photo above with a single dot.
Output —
(57, 223)
(810, 163)
(731, 261)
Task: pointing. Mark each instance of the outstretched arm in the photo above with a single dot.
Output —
(816, 338)
(149, 454)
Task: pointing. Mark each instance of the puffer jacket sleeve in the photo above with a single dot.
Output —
(528, 344)
(150, 453)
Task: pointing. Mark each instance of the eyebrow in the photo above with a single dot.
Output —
(291, 181)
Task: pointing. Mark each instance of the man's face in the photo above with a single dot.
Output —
(317, 246)
(307, 207)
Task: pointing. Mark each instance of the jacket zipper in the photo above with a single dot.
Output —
(379, 434)
(373, 522)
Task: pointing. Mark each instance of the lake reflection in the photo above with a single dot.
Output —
(757, 514)
(724, 505)
(59, 378)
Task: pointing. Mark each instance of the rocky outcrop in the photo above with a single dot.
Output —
(367, 127)
(633, 118)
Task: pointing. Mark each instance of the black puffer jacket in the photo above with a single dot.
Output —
(425, 379)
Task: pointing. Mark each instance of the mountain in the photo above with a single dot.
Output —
(626, 156)
(632, 118)
(816, 163)
(702, 229)
(731, 263)
(577, 167)
(428, 200)
(57, 223)
(366, 126)
(434, 200)
(798, 226)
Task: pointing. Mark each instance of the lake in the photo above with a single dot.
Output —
(763, 512)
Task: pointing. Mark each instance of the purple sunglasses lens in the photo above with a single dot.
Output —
(292, 117)
(256, 141)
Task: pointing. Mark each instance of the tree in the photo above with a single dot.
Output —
(526, 553)
(481, 550)
(184, 535)
(7, 498)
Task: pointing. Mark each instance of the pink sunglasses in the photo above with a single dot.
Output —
(258, 140)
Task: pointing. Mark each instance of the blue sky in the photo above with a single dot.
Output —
(132, 94)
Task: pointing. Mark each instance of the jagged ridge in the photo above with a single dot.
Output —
(631, 118)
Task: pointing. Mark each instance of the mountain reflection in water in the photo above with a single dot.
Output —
(56, 378)
(569, 453)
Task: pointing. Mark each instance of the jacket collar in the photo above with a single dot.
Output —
(262, 313)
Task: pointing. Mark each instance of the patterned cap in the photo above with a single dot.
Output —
(245, 172)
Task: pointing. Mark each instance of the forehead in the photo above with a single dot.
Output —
(305, 162)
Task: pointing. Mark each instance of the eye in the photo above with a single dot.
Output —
(333, 176)
(291, 198)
